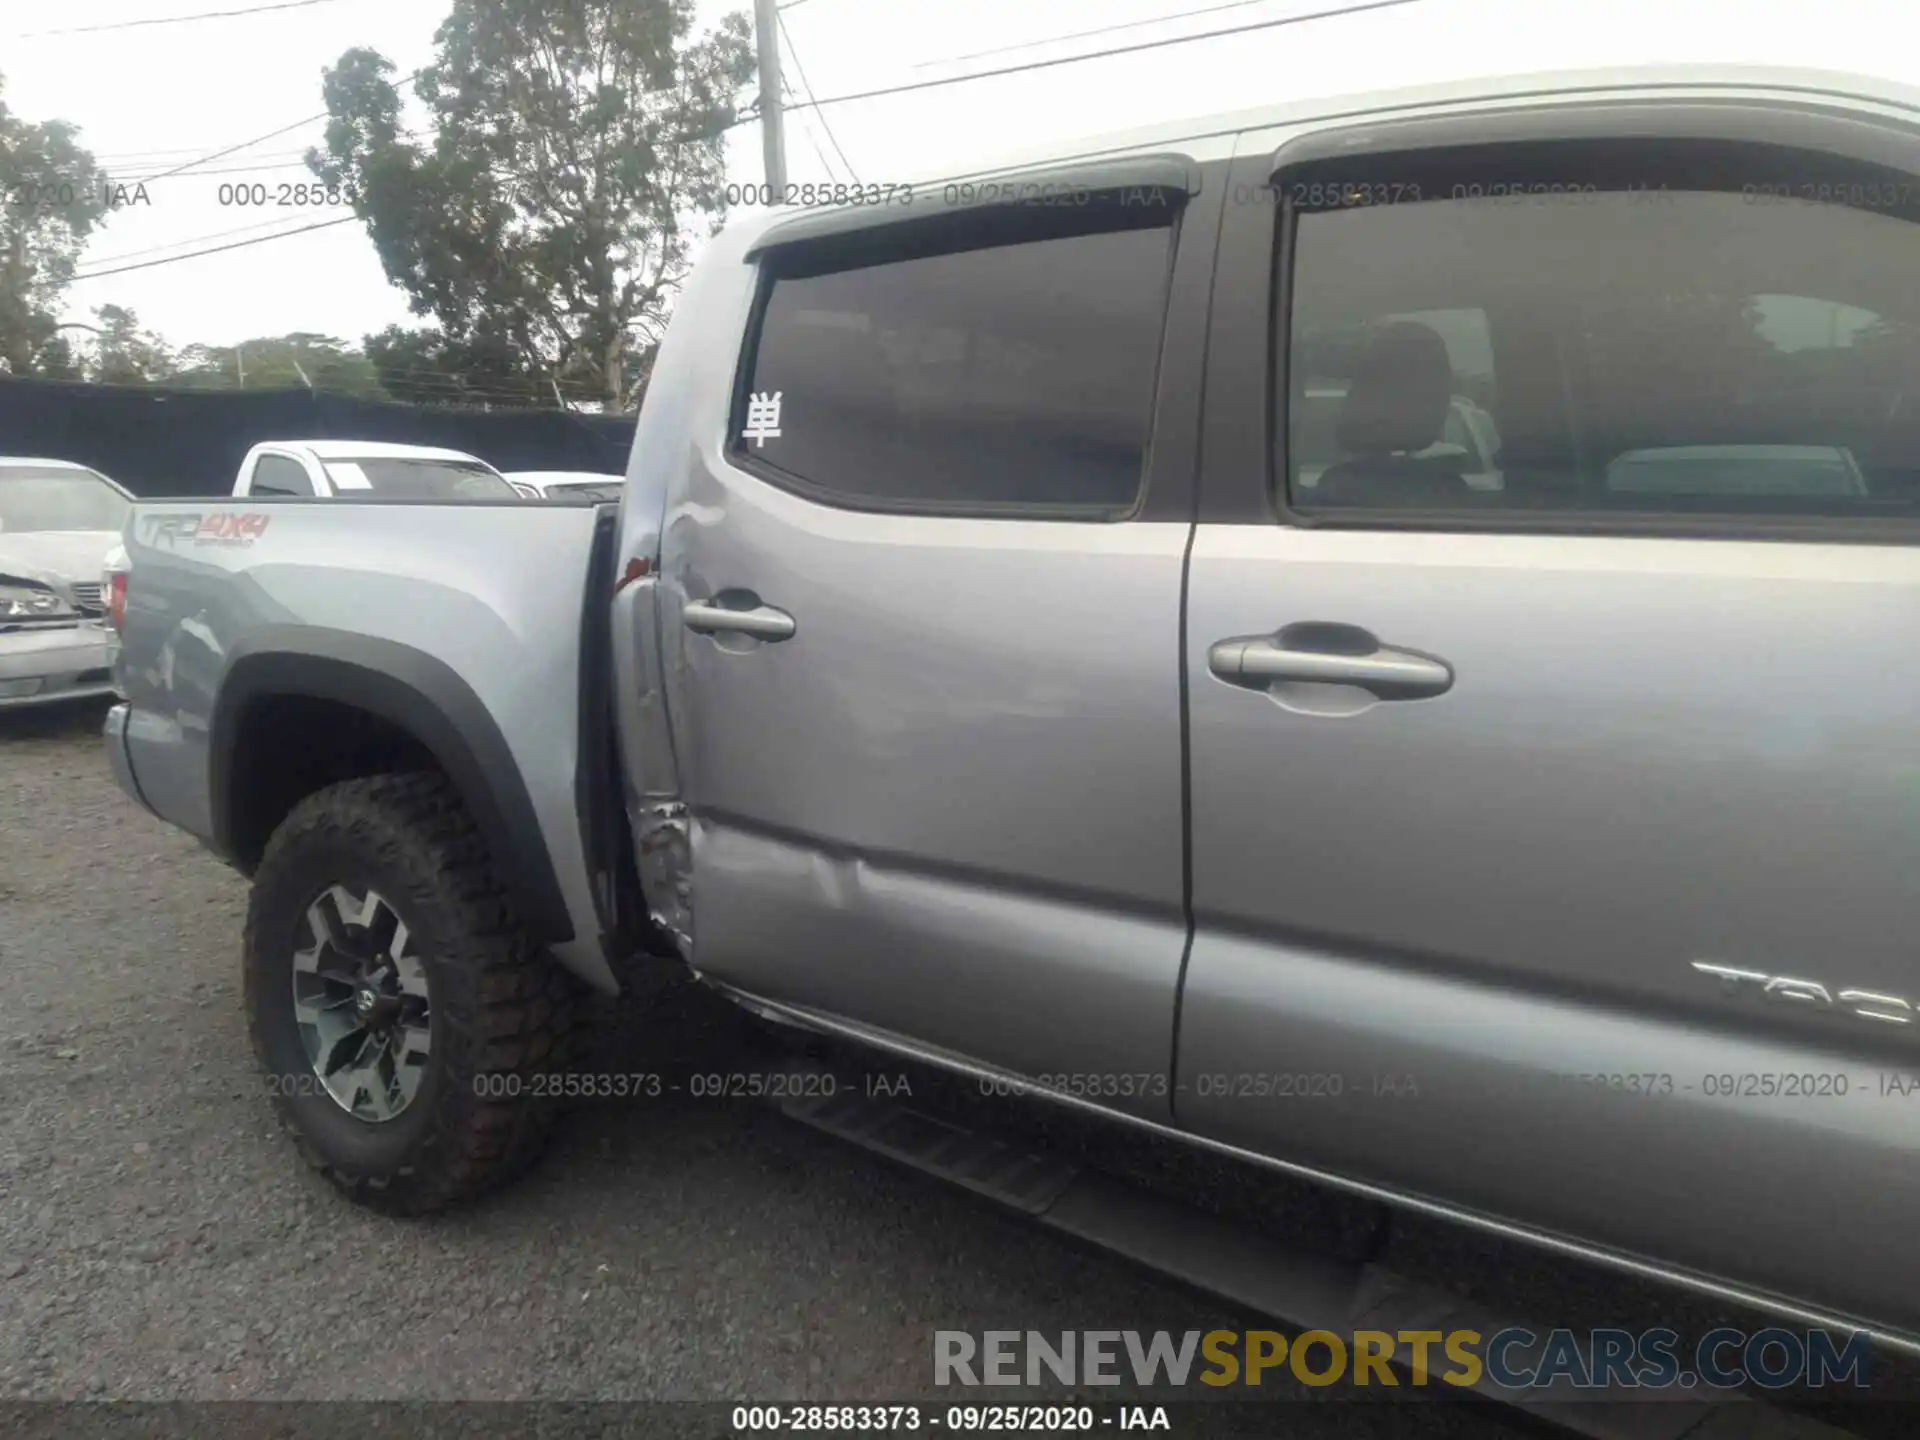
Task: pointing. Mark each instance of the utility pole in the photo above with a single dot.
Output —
(240, 363)
(773, 142)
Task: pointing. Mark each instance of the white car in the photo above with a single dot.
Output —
(331, 469)
(580, 485)
(58, 522)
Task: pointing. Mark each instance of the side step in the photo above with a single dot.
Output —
(1302, 1291)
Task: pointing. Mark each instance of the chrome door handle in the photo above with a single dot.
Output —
(1329, 655)
(762, 622)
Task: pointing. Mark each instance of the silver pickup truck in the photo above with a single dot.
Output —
(966, 673)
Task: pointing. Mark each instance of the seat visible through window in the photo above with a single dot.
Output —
(1398, 406)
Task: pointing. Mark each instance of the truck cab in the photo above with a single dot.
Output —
(327, 469)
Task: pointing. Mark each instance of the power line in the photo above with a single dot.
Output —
(175, 19)
(813, 142)
(138, 158)
(1089, 34)
(221, 154)
(1103, 54)
(235, 149)
(193, 240)
(224, 170)
(269, 160)
(807, 90)
(217, 249)
(813, 104)
(271, 134)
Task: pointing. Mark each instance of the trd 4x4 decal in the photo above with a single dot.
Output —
(222, 527)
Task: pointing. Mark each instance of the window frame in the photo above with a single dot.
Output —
(827, 236)
(1266, 245)
(311, 492)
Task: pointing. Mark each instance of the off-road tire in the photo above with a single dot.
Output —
(506, 1019)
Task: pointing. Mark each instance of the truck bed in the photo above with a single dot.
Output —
(450, 633)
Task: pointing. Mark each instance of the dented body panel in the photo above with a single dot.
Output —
(949, 807)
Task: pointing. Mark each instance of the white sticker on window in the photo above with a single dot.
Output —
(348, 476)
(763, 417)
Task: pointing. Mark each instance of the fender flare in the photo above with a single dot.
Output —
(421, 695)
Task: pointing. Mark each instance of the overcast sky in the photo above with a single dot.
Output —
(153, 96)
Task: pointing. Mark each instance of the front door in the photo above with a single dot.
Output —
(1555, 840)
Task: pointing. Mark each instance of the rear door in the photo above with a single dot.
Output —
(925, 674)
(1554, 843)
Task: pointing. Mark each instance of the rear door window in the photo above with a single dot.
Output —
(278, 475)
(1009, 376)
(419, 479)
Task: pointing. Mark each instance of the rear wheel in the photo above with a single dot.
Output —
(409, 1029)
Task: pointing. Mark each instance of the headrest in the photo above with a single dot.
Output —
(1400, 394)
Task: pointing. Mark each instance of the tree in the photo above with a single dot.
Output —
(124, 353)
(426, 367)
(281, 362)
(52, 196)
(574, 144)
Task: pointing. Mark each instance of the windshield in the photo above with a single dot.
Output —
(411, 479)
(35, 498)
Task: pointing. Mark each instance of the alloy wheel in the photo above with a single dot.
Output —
(361, 1001)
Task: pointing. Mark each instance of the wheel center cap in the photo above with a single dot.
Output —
(366, 1000)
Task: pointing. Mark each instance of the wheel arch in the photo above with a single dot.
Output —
(417, 698)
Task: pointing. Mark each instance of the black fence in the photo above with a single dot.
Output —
(159, 442)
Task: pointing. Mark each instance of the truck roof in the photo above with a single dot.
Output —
(1208, 136)
(367, 450)
(1545, 84)
(51, 464)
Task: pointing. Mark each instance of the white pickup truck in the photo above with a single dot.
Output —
(328, 469)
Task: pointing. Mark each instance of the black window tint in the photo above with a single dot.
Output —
(1702, 347)
(413, 479)
(586, 494)
(1003, 377)
(277, 475)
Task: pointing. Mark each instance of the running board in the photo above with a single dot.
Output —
(1304, 1292)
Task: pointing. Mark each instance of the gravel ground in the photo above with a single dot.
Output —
(158, 1241)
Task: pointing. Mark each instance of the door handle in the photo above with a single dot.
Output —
(762, 622)
(1329, 655)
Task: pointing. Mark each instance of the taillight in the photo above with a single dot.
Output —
(117, 599)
